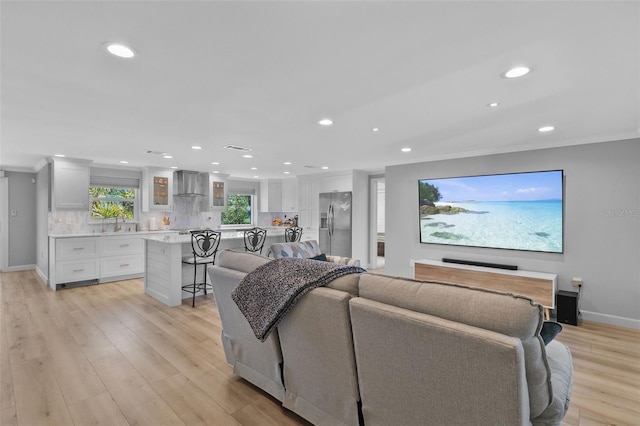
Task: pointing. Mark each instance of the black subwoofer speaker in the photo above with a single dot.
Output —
(567, 306)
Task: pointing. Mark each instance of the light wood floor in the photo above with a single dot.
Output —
(110, 355)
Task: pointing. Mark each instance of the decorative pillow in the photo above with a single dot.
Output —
(322, 257)
(549, 330)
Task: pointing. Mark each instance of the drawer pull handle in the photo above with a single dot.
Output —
(124, 265)
(78, 248)
(78, 270)
(124, 245)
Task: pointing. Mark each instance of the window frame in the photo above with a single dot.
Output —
(253, 199)
(135, 199)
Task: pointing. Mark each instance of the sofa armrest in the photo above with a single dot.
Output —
(343, 260)
(561, 366)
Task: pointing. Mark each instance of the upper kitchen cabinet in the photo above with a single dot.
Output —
(217, 192)
(290, 195)
(157, 185)
(279, 195)
(69, 184)
(271, 195)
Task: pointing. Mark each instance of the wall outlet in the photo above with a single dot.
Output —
(576, 282)
(412, 262)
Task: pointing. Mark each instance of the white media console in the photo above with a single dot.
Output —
(539, 286)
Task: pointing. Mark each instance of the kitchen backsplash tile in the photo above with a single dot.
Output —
(188, 213)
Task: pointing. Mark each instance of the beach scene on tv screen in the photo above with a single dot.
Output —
(521, 211)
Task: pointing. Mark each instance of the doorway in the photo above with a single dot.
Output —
(4, 223)
(377, 223)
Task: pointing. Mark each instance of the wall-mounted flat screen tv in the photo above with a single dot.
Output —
(517, 211)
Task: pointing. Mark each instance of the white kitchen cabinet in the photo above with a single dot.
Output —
(309, 215)
(157, 185)
(289, 195)
(121, 257)
(271, 195)
(95, 259)
(74, 260)
(343, 182)
(217, 192)
(69, 184)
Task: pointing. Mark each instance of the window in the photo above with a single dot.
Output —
(111, 203)
(239, 210)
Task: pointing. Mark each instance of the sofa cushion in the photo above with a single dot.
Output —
(508, 314)
(343, 260)
(561, 366)
(240, 260)
(300, 249)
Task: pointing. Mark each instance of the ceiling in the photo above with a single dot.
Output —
(261, 74)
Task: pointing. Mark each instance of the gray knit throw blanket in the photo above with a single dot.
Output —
(267, 293)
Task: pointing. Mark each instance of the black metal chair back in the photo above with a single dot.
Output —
(204, 245)
(292, 234)
(254, 239)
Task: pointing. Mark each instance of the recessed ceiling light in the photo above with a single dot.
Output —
(59, 155)
(215, 171)
(325, 167)
(286, 173)
(174, 167)
(406, 150)
(248, 156)
(120, 50)
(215, 163)
(375, 129)
(493, 104)
(196, 147)
(516, 72)
(546, 129)
(287, 163)
(325, 122)
(124, 162)
(167, 156)
(256, 176)
(254, 168)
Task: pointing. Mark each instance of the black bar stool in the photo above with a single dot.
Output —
(205, 246)
(254, 239)
(292, 234)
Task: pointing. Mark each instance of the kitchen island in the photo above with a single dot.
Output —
(166, 274)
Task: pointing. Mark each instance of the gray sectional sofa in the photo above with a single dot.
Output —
(379, 350)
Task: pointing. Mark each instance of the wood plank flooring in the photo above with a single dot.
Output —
(111, 355)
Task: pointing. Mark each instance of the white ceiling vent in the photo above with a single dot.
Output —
(237, 148)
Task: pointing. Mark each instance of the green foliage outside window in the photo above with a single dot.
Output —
(109, 203)
(238, 210)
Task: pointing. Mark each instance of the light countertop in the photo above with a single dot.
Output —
(113, 234)
(175, 238)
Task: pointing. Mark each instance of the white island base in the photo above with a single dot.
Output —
(165, 274)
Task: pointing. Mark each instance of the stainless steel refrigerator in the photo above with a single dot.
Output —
(335, 223)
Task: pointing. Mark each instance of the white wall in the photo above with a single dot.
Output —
(22, 232)
(42, 221)
(602, 222)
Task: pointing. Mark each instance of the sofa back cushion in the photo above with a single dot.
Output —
(240, 260)
(414, 366)
(300, 249)
(504, 313)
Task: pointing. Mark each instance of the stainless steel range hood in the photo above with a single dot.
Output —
(188, 184)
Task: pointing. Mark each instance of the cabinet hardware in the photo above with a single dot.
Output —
(78, 248)
(124, 245)
(124, 265)
(78, 270)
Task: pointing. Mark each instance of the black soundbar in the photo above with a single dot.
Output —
(485, 264)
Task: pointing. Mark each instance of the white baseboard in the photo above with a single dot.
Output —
(611, 319)
(42, 276)
(21, 268)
